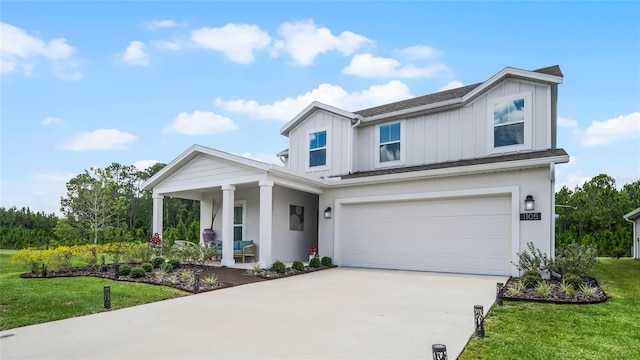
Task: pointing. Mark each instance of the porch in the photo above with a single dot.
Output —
(243, 199)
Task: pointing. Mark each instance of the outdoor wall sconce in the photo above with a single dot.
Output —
(529, 203)
(327, 213)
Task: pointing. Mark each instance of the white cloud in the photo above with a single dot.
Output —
(621, 128)
(161, 24)
(303, 41)
(135, 54)
(369, 66)
(420, 52)
(200, 123)
(265, 158)
(566, 122)
(144, 164)
(236, 41)
(50, 120)
(452, 85)
(571, 181)
(167, 45)
(20, 51)
(334, 95)
(102, 139)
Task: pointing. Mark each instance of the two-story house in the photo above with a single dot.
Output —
(456, 181)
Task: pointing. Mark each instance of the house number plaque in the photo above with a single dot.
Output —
(530, 216)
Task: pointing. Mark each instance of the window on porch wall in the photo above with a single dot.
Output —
(238, 222)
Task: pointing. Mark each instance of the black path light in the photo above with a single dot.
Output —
(499, 293)
(478, 314)
(116, 270)
(107, 297)
(439, 351)
(196, 282)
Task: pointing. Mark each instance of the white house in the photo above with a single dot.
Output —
(432, 183)
(634, 218)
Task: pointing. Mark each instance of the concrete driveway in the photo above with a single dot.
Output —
(338, 313)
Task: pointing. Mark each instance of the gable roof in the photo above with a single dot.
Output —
(190, 154)
(459, 93)
(460, 163)
(310, 110)
(458, 96)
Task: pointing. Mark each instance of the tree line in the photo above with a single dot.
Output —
(107, 205)
(102, 205)
(592, 214)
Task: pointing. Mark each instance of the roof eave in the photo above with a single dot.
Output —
(308, 111)
(632, 215)
(456, 171)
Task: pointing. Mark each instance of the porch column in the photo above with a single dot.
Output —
(228, 192)
(266, 220)
(158, 201)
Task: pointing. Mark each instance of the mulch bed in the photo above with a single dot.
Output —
(226, 277)
(557, 295)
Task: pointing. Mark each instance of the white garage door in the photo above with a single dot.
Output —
(465, 235)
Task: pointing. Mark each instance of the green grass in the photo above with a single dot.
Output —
(34, 301)
(610, 330)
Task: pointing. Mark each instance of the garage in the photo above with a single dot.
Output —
(470, 235)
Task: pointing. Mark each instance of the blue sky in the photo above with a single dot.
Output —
(90, 83)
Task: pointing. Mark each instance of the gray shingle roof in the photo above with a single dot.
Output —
(460, 163)
(439, 96)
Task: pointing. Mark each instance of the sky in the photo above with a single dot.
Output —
(87, 84)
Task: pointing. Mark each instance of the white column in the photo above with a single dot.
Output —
(206, 207)
(228, 192)
(266, 220)
(158, 201)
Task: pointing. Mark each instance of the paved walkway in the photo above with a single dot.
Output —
(340, 313)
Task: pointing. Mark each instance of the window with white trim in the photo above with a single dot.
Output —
(239, 220)
(510, 119)
(318, 149)
(389, 143)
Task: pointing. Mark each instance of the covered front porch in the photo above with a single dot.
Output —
(243, 199)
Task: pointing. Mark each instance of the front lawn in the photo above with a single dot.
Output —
(610, 330)
(33, 301)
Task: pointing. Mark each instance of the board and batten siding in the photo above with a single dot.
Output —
(460, 133)
(204, 170)
(337, 128)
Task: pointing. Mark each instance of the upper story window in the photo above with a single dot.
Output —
(510, 119)
(390, 144)
(318, 148)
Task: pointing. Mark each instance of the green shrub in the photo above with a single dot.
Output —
(534, 260)
(175, 264)
(576, 259)
(543, 289)
(516, 289)
(531, 279)
(573, 280)
(147, 267)
(137, 272)
(568, 289)
(157, 262)
(297, 265)
(326, 261)
(315, 262)
(278, 267)
(124, 270)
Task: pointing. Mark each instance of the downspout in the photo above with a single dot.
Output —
(634, 241)
(355, 122)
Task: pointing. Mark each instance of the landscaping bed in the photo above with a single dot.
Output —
(556, 294)
(183, 277)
